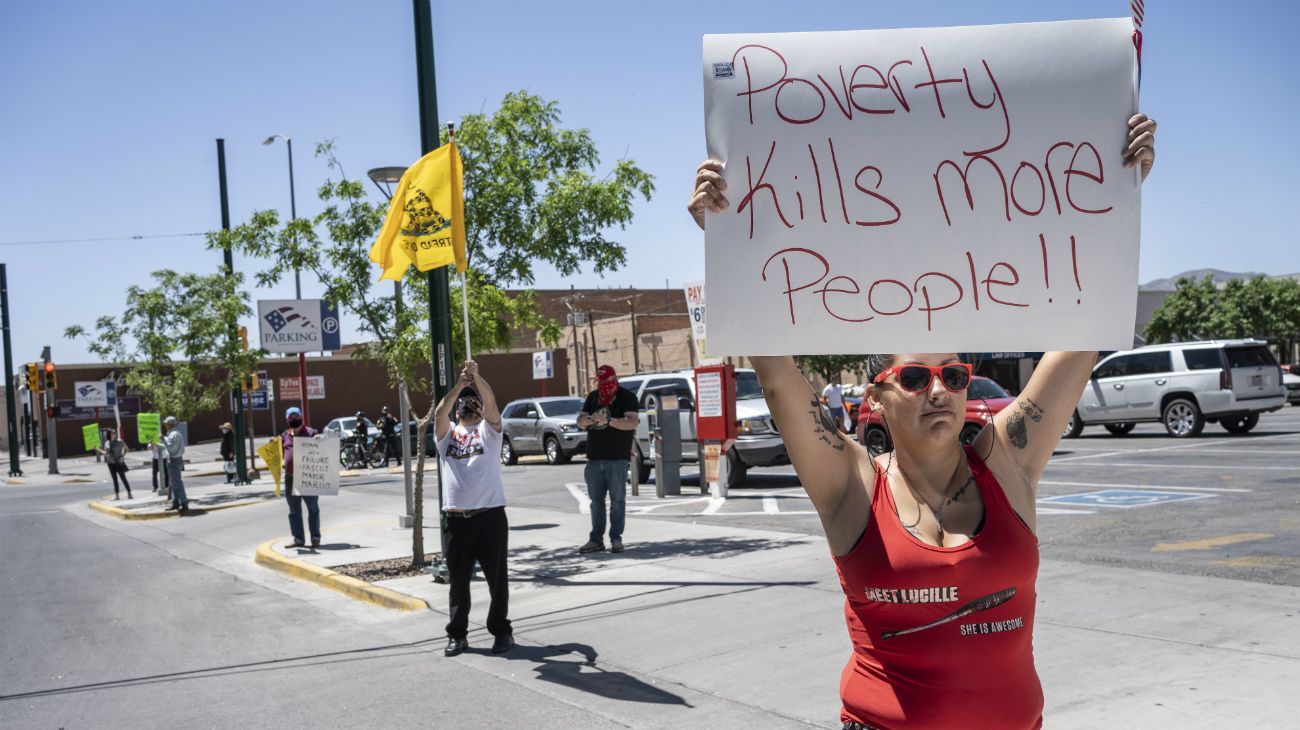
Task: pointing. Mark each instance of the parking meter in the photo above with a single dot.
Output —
(667, 447)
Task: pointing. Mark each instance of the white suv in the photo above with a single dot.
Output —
(1182, 385)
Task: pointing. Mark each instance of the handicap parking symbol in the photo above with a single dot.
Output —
(1123, 498)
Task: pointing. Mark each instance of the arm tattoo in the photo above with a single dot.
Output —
(825, 427)
(1017, 429)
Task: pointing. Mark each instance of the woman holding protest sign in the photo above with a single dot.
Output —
(935, 543)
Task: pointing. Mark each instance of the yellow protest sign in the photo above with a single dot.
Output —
(273, 454)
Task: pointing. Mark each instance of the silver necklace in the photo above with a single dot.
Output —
(936, 511)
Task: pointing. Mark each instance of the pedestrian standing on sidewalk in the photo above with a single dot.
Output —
(388, 430)
(159, 453)
(298, 429)
(228, 451)
(475, 509)
(114, 451)
(610, 417)
(175, 446)
(935, 543)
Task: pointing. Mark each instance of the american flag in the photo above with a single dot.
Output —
(1138, 10)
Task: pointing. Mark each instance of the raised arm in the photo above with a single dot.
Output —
(442, 414)
(491, 413)
(1028, 430)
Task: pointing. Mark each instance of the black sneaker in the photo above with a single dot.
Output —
(615, 546)
(455, 646)
(592, 546)
(503, 643)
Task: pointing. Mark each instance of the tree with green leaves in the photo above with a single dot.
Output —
(532, 194)
(828, 366)
(1259, 307)
(177, 341)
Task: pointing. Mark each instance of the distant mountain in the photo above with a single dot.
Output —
(1220, 278)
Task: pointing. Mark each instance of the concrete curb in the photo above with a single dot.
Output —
(347, 585)
(126, 514)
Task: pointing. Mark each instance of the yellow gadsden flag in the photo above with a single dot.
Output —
(425, 224)
(273, 454)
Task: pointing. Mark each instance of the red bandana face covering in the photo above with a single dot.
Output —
(606, 384)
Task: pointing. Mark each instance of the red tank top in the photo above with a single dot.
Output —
(942, 636)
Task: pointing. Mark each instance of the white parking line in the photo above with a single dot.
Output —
(1220, 467)
(769, 506)
(1143, 486)
(1192, 445)
(1058, 511)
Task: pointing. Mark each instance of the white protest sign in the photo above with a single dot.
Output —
(316, 466)
(695, 309)
(923, 190)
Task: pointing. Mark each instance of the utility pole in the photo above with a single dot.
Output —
(14, 469)
(591, 327)
(439, 289)
(241, 469)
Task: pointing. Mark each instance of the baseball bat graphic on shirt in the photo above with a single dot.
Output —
(979, 604)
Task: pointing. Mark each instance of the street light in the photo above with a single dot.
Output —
(384, 178)
(297, 280)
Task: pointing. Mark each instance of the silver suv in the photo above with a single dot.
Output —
(757, 441)
(542, 426)
(1183, 385)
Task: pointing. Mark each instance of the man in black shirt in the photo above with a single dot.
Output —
(388, 429)
(610, 417)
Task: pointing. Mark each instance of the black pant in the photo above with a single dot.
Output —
(159, 467)
(482, 538)
(391, 449)
(119, 470)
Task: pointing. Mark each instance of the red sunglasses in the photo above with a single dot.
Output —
(918, 378)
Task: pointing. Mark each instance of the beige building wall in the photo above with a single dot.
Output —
(663, 343)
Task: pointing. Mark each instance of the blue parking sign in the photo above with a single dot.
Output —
(1123, 498)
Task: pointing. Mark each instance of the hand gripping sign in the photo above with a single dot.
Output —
(923, 190)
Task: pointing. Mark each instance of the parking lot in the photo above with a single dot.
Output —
(1217, 504)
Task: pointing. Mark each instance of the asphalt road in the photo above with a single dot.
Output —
(100, 629)
(1217, 504)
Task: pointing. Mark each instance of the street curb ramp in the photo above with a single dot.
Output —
(351, 587)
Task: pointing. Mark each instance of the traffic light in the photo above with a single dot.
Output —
(255, 381)
(33, 377)
(52, 411)
(243, 338)
(51, 380)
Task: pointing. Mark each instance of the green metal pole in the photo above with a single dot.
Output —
(241, 468)
(10, 393)
(439, 290)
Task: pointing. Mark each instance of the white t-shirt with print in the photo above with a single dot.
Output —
(471, 459)
(833, 395)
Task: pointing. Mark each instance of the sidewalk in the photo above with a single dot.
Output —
(756, 618)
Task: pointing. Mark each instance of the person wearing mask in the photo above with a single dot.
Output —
(388, 429)
(475, 508)
(228, 451)
(114, 451)
(298, 429)
(175, 445)
(610, 417)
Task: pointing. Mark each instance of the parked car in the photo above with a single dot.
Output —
(542, 426)
(1183, 385)
(757, 443)
(344, 426)
(430, 438)
(1292, 384)
(984, 398)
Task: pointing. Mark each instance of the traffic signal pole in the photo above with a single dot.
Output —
(241, 469)
(51, 423)
(12, 411)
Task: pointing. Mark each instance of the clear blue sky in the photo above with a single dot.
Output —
(108, 112)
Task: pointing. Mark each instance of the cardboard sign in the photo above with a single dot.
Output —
(90, 435)
(316, 465)
(923, 190)
(148, 427)
(272, 452)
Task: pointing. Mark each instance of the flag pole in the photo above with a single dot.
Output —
(464, 275)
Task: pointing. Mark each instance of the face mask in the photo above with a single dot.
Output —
(295, 422)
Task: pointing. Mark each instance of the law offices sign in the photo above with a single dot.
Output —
(298, 325)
